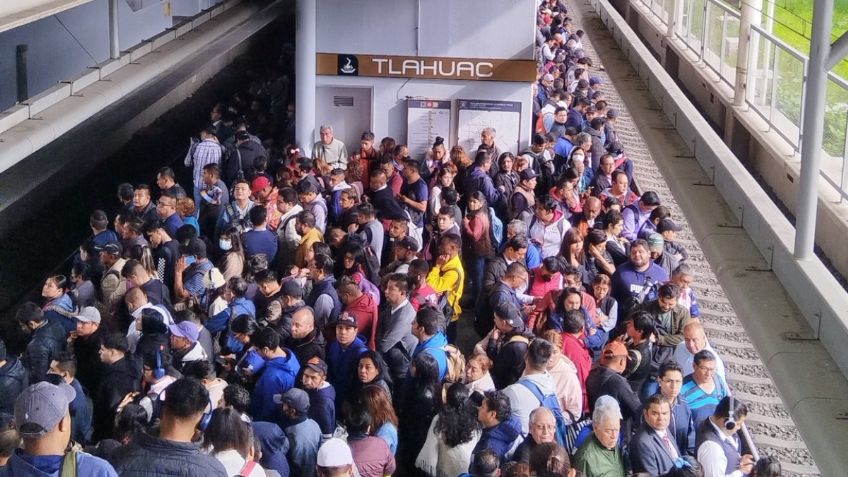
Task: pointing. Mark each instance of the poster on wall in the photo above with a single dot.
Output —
(427, 119)
(476, 115)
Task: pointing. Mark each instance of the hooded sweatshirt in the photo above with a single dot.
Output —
(277, 377)
(549, 236)
(500, 437)
(435, 346)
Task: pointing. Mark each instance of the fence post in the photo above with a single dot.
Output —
(746, 49)
(114, 36)
(673, 17)
(813, 123)
(844, 171)
(704, 33)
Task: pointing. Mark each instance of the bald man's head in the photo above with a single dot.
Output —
(694, 336)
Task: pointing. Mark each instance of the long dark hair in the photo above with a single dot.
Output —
(378, 363)
(228, 431)
(426, 381)
(458, 417)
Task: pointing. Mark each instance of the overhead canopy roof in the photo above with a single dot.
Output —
(15, 13)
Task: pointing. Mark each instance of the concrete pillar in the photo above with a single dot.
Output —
(306, 43)
(114, 37)
(750, 16)
(812, 128)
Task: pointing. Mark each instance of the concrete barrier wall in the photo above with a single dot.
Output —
(821, 299)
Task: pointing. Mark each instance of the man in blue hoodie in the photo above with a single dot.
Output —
(342, 355)
(277, 377)
(428, 327)
(500, 427)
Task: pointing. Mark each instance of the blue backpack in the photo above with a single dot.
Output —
(551, 402)
(496, 229)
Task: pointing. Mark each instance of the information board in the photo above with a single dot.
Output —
(426, 119)
(476, 115)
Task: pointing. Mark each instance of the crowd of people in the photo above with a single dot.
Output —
(309, 314)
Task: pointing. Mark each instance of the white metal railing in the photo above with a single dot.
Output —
(776, 76)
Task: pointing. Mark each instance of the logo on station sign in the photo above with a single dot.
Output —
(348, 65)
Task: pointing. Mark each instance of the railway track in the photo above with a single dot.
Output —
(771, 426)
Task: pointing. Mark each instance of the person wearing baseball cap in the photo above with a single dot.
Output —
(606, 379)
(322, 395)
(184, 345)
(304, 433)
(523, 199)
(335, 459)
(43, 421)
(668, 229)
(342, 353)
(110, 285)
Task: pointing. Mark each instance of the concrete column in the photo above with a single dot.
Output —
(114, 38)
(306, 42)
(750, 16)
(813, 126)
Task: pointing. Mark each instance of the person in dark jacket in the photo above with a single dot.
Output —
(86, 347)
(507, 346)
(640, 329)
(479, 180)
(306, 341)
(500, 427)
(606, 379)
(382, 197)
(14, 378)
(420, 401)
(322, 396)
(172, 452)
(274, 444)
(47, 339)
(121, 376)
(154, 334)
(343, 355)
(64, 368)
(653, 449)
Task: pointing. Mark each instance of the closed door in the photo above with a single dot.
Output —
(348, 110)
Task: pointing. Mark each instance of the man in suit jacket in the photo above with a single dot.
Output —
(653, 449)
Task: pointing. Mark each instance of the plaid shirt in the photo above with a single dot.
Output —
(207, 151)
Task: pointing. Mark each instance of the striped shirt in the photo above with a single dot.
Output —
(702, 404)
(206, 152)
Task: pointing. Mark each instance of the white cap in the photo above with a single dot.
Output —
(334, 453)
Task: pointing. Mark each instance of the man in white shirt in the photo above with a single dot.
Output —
(717, 443)
(329, 153)
(695, 340)
(522, 398)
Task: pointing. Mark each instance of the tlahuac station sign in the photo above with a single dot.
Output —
(425, 67)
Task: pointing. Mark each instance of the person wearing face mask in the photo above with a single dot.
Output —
(231, 263)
